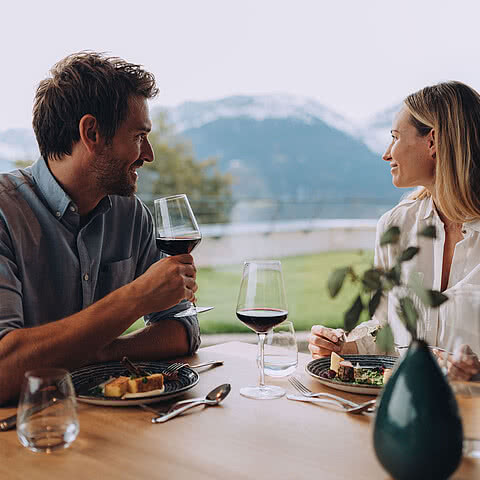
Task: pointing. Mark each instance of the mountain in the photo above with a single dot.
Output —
(285, 147)
(375, 132)
(17, 144)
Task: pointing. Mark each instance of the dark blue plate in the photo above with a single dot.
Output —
(86, 379)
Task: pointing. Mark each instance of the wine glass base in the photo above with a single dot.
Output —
(267, 392)
(471, 448)
(186, 313)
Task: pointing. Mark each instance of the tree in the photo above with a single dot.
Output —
(176, 170)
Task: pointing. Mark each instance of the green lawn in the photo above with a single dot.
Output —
(305, 284)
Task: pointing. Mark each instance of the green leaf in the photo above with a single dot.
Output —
(374, 302)
(390, 236)
(436, 298)
(408, 254)
(352, 315)
(429, 231)
(372, 279)
(384, 339)
(394, 274)
(336, 279)
(409, 315)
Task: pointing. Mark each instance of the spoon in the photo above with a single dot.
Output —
(213, 398)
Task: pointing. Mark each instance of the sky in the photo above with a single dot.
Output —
(356, 57)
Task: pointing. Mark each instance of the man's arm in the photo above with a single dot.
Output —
(91, 334)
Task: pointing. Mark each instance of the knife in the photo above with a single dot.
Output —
(10, 422)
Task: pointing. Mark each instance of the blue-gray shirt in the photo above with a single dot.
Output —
(52, 265)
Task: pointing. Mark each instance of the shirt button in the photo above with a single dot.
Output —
(58, 214)
(86, 277)
(464, 231)
(73, 209)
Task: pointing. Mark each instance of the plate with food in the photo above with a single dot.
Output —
(112, 384)
(364, 374)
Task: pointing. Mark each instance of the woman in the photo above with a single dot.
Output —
(435, 146)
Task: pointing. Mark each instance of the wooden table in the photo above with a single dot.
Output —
(241, 439)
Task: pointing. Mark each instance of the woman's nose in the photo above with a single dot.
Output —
(387, 155)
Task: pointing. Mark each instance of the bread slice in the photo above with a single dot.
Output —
(116, 387)
(145, 384)
(387, 373)
(335, 362)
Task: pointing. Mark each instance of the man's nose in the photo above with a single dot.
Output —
(147, 151)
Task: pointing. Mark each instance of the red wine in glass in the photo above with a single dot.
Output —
(261, 320)
(177, 246)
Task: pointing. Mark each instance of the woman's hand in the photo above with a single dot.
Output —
(323, 341)
(461, 365)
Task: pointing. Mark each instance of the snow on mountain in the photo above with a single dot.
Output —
(375, 132)
(260, 107)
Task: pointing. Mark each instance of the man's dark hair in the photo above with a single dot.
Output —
(85, 83)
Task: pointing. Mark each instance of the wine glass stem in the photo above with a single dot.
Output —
(261, 342)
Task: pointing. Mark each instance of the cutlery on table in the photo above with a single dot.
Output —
(306, 392)
(213, 398)
(363, 407)
(431, 347)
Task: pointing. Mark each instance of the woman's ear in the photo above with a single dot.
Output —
(89, 134)
(432, 147)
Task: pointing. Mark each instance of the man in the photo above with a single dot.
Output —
(78, 262)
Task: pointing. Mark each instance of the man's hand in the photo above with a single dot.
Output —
(166, 283)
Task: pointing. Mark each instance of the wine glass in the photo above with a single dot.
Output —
(176, 230)
(47, 418)
(460, 337)
(262, 305)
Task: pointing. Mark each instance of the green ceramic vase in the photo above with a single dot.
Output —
(418, 432)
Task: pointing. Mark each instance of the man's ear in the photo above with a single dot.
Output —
(89, 134)
(432, 147)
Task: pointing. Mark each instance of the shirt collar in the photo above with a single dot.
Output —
(56, 198)
(428, 208)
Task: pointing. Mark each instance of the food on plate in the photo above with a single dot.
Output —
(116, 387)
(145, 384)
(125, 387)
(344, 371)
(335, 360)
(387, 373)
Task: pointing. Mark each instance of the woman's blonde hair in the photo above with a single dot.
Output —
(452, 110)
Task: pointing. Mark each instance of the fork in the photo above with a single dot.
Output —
(301, 388)
(363, 407)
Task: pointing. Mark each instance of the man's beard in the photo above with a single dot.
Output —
(112, 180)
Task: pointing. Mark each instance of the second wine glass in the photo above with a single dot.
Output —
(262, 305)
(176, 230)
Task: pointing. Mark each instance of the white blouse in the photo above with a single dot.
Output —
(411, 216)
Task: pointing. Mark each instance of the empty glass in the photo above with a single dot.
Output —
(46, 416)
(280, 351)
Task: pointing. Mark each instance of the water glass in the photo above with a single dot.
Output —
(460, 336)
(46, 416)
(280, 351)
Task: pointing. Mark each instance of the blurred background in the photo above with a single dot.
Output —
(272, 118)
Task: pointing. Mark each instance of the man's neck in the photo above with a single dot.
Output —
(73, 175)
